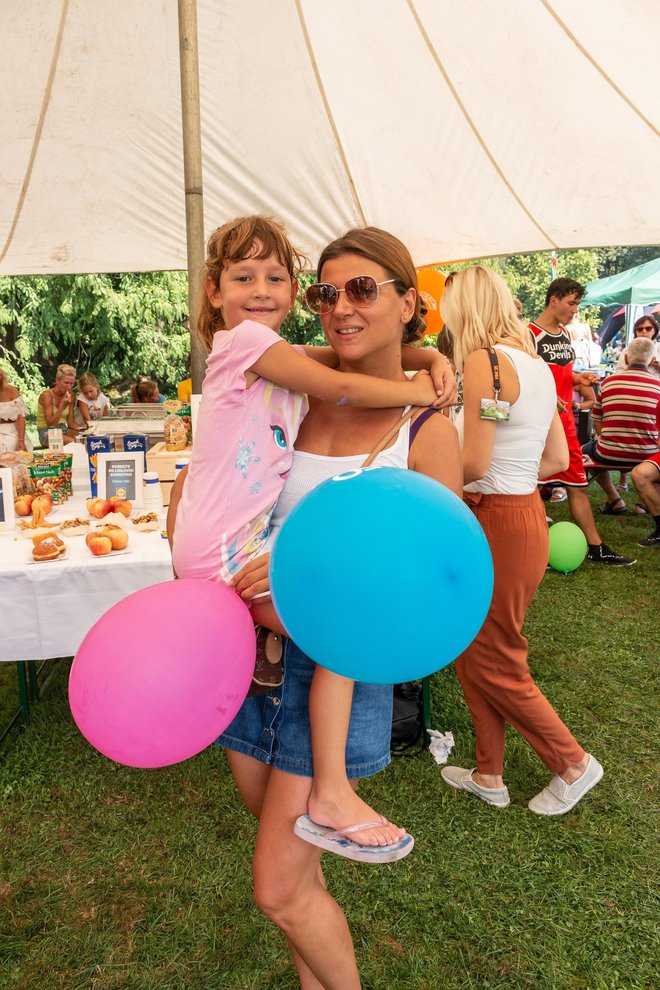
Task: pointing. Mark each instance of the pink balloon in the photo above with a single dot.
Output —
(163, 672)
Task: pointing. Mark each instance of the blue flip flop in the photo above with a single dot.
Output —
(336, 840)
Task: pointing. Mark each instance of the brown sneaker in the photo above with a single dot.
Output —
(268, 673)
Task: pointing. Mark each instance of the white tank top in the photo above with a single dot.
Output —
(519, 443)
(309, 470)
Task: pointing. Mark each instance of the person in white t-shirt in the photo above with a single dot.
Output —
(92, 403)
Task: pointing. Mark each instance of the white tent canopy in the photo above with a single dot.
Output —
(467, 127)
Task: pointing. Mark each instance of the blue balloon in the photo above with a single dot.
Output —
(382, 575)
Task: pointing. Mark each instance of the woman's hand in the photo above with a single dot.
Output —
(252, 579)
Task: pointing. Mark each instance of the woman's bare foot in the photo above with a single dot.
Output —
(575, 771)
(339, 809)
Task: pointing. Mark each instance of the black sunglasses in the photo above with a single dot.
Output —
(361, 291)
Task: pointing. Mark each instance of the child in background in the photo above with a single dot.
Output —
(92, 403)
(146, 391)
(253, 401)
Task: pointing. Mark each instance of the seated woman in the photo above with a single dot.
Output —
(513, 435)
(56, 406)
(274, 769)
(12, 418)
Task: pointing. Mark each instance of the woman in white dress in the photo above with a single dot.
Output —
(12, 418)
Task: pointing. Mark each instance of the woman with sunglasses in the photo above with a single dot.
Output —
(512, 434)
(368, 304)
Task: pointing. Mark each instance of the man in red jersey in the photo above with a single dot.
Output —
(553, 344)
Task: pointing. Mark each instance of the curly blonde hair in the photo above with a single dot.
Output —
(245, 237)
(479, 311)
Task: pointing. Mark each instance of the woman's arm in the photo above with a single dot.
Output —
(283, 365)
(20, 430)
(479, 434)
(435, 452)
(52, 411)
(555, 456)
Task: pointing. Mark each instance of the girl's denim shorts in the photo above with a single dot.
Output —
(274, 727)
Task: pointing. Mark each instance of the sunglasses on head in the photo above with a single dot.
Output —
(450, 279)
(361, 291)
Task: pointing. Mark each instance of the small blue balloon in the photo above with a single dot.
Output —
(382, 575)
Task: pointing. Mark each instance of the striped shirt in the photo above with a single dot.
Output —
(627, 407)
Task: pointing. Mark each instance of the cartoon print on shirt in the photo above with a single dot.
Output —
(245, 456)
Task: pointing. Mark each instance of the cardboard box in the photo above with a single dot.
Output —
(164, 461)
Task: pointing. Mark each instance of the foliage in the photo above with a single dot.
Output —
(123, 326)
(117, 326)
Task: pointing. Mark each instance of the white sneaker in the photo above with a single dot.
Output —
(461, 780)
(559, 797)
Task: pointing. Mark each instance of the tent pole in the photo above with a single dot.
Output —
(192, 168)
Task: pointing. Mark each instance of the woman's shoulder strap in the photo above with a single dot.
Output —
(383, 442)
(419, 422)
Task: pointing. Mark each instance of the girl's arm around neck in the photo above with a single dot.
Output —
(324, 355)
(284, 366)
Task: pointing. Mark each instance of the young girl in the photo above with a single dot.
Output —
(146, 391)
(92, 403)
(253, 403)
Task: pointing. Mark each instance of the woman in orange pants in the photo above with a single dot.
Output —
(512, 433)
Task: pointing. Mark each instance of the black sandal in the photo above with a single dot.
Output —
(609, 510)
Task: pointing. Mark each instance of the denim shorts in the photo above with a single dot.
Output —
(274, 727)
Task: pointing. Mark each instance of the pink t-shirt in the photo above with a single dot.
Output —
(241, 457)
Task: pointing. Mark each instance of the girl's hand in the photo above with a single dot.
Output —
(422, 390)
(444, 382)
(252, 579)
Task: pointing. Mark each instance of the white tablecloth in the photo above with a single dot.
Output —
(46, 609)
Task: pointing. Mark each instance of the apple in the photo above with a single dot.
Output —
(98, 507)
(23, 505)
(99, 544)
(117, 536)
(43, 502)
(121, 505)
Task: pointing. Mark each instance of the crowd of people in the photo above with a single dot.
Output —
(272, 426)
(63, 406)
(278, 420)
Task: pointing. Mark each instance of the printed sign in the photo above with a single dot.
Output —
(120, 475)
(7, 515)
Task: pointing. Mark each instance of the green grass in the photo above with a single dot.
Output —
(119, 879)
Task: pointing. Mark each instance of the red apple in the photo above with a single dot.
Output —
(98, 507)
(99, 545)
(121, 505)
(117, 536)
(23, 505)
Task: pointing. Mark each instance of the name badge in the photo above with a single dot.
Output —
(495, 409)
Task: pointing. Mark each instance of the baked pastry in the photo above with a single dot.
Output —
(146, 522)
(48, 548)
(74, 527)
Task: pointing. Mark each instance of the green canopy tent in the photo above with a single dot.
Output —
(633, 288)
(640, 285)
